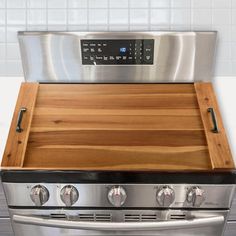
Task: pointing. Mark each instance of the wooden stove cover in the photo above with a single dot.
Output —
(128, 127)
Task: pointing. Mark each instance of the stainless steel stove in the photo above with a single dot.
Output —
(88, 206)
(69, 203)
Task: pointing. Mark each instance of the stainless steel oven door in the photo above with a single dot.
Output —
(117, 222)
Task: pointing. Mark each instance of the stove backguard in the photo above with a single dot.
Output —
(117, 57)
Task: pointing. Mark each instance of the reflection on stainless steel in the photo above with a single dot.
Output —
(178, 57)
(112, 222)
(121, 226)
(138, 195)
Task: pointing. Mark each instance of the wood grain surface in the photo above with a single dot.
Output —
(148, 127)
(218, 145)
(16, 144)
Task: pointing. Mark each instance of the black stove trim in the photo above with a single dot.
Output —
(49, 176)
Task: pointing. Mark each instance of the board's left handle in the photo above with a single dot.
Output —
(19, 119)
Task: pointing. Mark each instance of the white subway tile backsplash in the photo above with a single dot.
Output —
(202, 17)
(16, 3)
(139, 27)
(138, 16)
(57, 27)
(233, 56)
(98, 3)
(224, 32)
(202, 3)
(77, 27)
(77, 17)
(77, 3)
(221, 3)
(13, 52)
(180, 17)
(98, 27)
(234, 17)
(57, 17)
(37, 27)
(12, 33)
(117, 15)
(180, 3)
(37, 3)
(16, 17)
(98, 17)
(160, 27)
(221, 17)
(57, 3)
(14, 68)
(2, 17)
(233, 3)
(2, 35)
(37, 17)
(2, 67)
(201, 27)
(119, 27)
(138, 4)
(2, 50)
(233, 33)
(223, 68)
(2, 3)
(160, 3)
(160, 16)
(119, 4)
(224, 51)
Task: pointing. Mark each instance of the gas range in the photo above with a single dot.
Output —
(88, 207)
(118, 134)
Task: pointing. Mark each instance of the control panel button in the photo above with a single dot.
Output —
(117, 196)
(69, 195)
(165, 196)
(117, 52)
(39, 195)
(195, 196)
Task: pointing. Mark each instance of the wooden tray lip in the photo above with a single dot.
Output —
(119, 177)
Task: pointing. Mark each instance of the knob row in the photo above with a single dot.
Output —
(40, 195)
(117, 196)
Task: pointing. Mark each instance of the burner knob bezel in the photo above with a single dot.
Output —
(117, 196)
(69, 195)
(39, 195)
(195, 196)
(165, 196)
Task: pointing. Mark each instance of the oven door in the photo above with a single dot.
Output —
(117, 222)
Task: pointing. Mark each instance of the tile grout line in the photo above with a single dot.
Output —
(128, 15)
(67, 16)
(170, 14)
(108, 15)
(149, 15)
(26, 14)
(88, 28)
(5, 46)
(46, 15)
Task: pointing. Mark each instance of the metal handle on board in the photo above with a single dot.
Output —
(19, 119)
(215, 128)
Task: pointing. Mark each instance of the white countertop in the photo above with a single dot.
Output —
(225, 89)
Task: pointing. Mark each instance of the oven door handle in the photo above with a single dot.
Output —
(119, 226)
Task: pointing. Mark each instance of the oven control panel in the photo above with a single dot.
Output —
(125, 195)
(117, 52)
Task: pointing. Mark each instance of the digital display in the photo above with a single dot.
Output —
(123, 50)
(117, 51)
